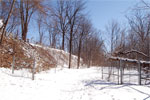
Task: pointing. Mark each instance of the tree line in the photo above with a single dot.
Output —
(63, 23)
(132, 36)
(66, 25)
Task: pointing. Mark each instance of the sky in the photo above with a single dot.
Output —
(101, 12)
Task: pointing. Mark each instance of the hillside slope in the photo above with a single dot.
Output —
(61, 57)
(26, 53)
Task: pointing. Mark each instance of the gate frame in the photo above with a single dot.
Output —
(138, 62)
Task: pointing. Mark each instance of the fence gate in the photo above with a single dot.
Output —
(128, 71)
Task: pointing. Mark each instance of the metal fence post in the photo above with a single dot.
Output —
(13, 64)
(33, 69)
(118, 71)
(121, 72)
(139, 71)
(102, 71)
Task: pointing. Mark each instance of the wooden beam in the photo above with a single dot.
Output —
(129, 60)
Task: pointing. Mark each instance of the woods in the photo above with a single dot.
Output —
(66, 25)
(63, 25)
(75, 49)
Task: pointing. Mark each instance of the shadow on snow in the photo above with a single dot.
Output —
(101, 84)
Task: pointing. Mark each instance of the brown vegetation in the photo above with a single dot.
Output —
(12, 47)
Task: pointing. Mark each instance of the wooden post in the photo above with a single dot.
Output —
(109, 71)
(102, 72)
(139, 71)
(55, 68)
(118, 71)
(113, 72)
(33, 69)
(13, 64)
(121, 72)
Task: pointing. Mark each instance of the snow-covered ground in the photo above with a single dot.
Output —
(66, 84)
(1, 23)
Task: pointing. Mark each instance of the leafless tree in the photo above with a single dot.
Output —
(95, 49)
(73, 11)
(140, 25)
(84, 30)
(53, 32)
(59, 12)
(146, 4)
(27, 8)
(113, 31)
(14, 22)
(41, 26)
(6, 21)
(121, 42)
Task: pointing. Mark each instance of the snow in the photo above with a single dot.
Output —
(1, 23)
(130, 60)
(61, 56)
(67, 84)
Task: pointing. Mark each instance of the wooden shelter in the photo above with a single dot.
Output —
(142, 66)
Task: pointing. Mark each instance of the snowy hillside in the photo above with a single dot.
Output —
(66, 84)
(61, 57)
(44, 57)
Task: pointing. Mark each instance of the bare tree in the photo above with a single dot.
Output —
(6, 22)
(121, 42)
(41, 26)
(93, 49)
(13, 22)
(113, 31)
(84, 30)
(140, 25)
(59, 12)
(146, 4)
(27, 8)
(53, 32)
(73, 12)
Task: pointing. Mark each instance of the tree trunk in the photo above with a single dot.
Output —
(24, 32)
(79, 52)
(63, 40)
(89, 60)
(70, 49)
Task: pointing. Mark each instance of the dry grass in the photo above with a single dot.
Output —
(25, 55)
(13, 47)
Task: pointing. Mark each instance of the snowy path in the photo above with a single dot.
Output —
(73, 84)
